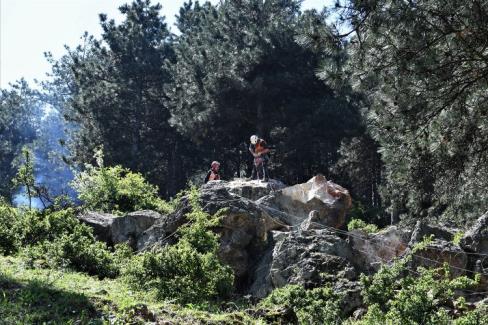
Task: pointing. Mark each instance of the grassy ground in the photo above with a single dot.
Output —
(45, 296)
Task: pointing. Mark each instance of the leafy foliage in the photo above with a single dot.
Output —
(116, 189)
(115, 97)
(9, 240)
(421, 70)
(360, 224)
(318, 305)
(393, 297)
(55, 238)
(188, 271)
(19, 112)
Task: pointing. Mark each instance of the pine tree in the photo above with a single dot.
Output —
(19, 117)
(117, 97)
(240, 71)
(422, 68)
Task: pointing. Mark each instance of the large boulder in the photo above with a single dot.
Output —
(254, 233)
(438, 252)
(114, 229)
(423, 229)
(244, 226)
(302, 257)
(101, 223)
(475, 243)
(475, 240)
(253, 189)
(372, 250)
(295, 203)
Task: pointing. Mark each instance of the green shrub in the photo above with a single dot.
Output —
(474, 317)
(395, 298)
(56, 239)
(75, 251)
(37, 226)
(316, 306)
(188, 271)
(457, 237)
(116, 189)
(360, 224)
(9, 240)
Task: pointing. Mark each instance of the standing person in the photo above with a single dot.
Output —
(213, 173)
(259, 150)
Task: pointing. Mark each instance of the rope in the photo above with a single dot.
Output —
(369, 240)
(388, 248)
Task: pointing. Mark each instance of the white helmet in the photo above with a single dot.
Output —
(254, 139)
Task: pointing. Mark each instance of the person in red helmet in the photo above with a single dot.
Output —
(213, 173)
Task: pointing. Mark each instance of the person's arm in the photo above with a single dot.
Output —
(251, 150)
(265, 150)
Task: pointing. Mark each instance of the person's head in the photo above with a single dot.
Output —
(215, 165)
(254, 139)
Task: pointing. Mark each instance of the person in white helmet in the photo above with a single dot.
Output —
(259, 150)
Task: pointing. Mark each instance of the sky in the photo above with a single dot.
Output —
(28, 28)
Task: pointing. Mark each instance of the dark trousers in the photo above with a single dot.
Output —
(260, 171)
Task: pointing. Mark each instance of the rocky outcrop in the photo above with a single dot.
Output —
(254, 189)
(329, 200)
(423, 229)
(303, 257)
(438, 252)
(475, 243)
(475, 240)
(101, 223)
(271, 236)
(118, 229)
(246, 223)
(244, 226)
(373, 250)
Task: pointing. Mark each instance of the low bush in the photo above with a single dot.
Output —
(188, 271)
(315, 306)
(55, 238)
(457, 237)
(116, 190)
(421, 298)
(360, 224)
(9, 239)
(74, 251)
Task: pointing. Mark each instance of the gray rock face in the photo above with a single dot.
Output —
(475, 242)
(372, 250)
(254, 189)
(302, 257)
(439, 252)
(114, 229)
(163, 230)
(351, 290)
(101, 224)
(244, 226)
(476, 239)
(329, 200)
(423, 229)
